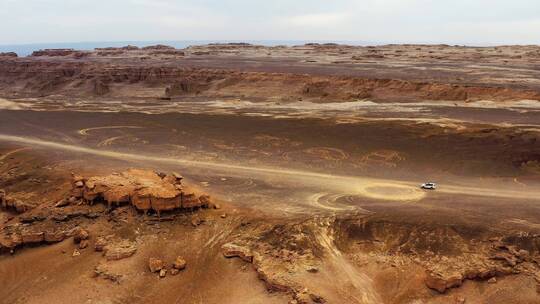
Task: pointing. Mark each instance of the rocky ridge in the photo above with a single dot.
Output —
(108, 71)
(54, 222)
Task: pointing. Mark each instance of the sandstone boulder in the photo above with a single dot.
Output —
(205, 201)
(443, 282)
(231, 250)
(302, 298)
(100, 244)
(80, 234)
(155, 265)
(84, 244)
(179, 263)
(162, 273)
(54, 236)
(120, 250)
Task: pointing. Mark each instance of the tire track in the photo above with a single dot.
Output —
(382, 189)
(85, 131)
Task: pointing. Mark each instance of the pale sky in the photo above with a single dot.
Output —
(424, 21)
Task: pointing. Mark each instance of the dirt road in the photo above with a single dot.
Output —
(380, 189)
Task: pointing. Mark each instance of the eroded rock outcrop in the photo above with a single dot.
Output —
(14, 203)
(155, 265)
(158, 47)
(9, 54)
(179, 263)
(231, 250)
(119, 250)
(188, 85)
(145, 190)
(58, 74)
(80, 235)
(103, 270)
(448, 254)
(16, 235)
(53, 52)
(501, 260)
(277, 253)
(159, 266)
(51, 222)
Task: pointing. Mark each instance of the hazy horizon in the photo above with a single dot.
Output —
(27, 48)
(469, 22)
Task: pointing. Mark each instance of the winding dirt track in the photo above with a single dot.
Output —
(8, 154)
(85, 131)
(381, 189)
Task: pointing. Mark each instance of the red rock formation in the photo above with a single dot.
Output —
(87, 77)
(145, 190)
(14, 204)
(8, 54)
(158, 47)
(168, 52)
(155, 265)
(53, 52)
(179, 263)
(130, 48)
(119, 250)
(19, 235)
(231, 250)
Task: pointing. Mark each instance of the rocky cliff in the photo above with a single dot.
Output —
(163, 72)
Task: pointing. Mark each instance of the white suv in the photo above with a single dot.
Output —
(428, 186)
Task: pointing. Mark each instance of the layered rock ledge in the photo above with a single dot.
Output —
(145, 190)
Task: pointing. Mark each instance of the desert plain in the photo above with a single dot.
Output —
(239, 173)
